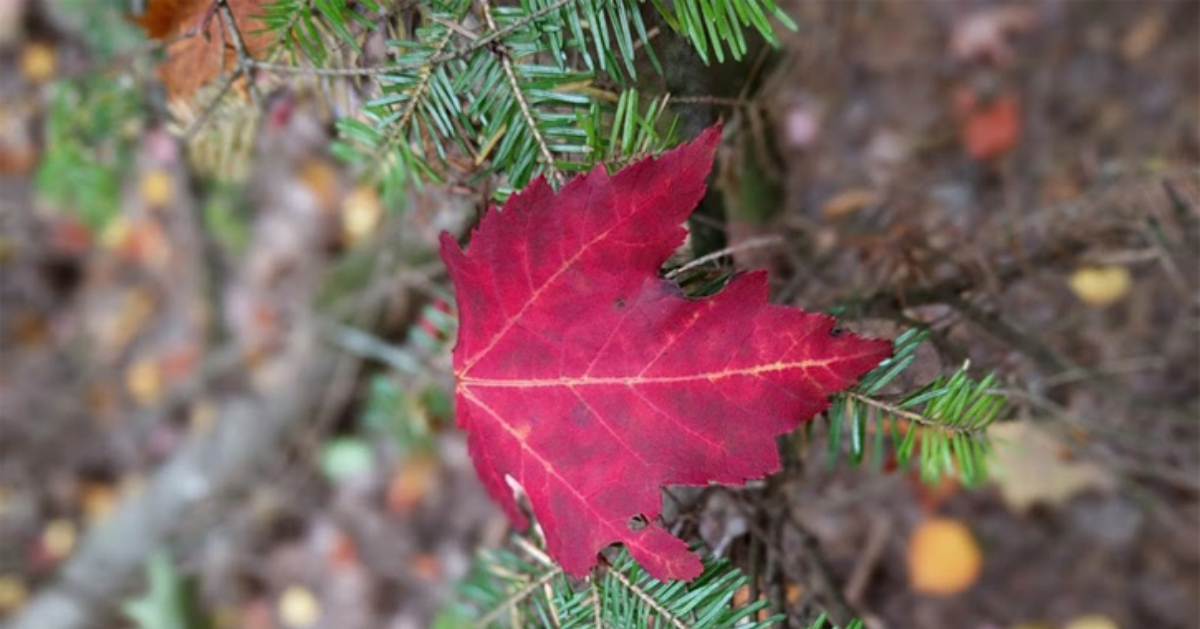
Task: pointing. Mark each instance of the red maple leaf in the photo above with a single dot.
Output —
(593, 382)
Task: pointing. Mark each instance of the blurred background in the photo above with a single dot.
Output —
(224, 355)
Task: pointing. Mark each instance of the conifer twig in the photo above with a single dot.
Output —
(397, 132)
(458, 53)
(649, 600)
(517, 597)
(916, 418)
(506, 63)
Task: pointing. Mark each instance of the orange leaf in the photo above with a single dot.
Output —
(990, 130)
(943, 558)
(194, 61)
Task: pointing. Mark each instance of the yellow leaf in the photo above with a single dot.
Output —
(1100, 286)
(1029, 467)
(415, 477)
(144, 381)
(13, 594)
(98, 500)
(943, 558)
(361, 211)
(1092, 621)
(298, 607)
(157, 187)
(38, 61)
(848, 202)
(58, 538)
(321, 179)
(1144, 35)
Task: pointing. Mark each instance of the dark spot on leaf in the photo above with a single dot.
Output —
(836, 332)
(638, 522)
(619, 303)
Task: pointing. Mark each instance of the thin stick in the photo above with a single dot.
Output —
(517, 597)
(753, 243)
(244, 60)
(243, 67)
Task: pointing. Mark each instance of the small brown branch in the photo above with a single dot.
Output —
(752, 243)
(243, 67)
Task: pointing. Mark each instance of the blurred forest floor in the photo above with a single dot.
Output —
(1020, 177)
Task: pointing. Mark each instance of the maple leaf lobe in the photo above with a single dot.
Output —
(593, 382)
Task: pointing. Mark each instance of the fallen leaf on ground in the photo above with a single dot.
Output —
(1100, 286)
(58, 538)
(943, 558)
(848, 202)
(193, 61)
(321, 179)
(157, 188)
(13, 594)
(983, 34)
(1029, 467)
(98, 500)
(144, 381)
(38, 62)
(1092, 621)
(415, 477)
(1144, 35)
(298, 608)
(592, 382)
(361, 212)
(988, 129)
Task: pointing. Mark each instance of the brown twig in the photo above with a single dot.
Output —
(243, 67)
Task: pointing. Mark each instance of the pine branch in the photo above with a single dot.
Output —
(534, 592)
(942, 425)
(530, 122)
(455, 55)
(518, 596)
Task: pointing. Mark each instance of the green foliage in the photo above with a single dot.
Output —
(719, 25)
(518, 90)
(102, 24)
(404, 417)
(308, 28)
(90, 129)
(171, 600)
(940, 426)
(511, 589)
